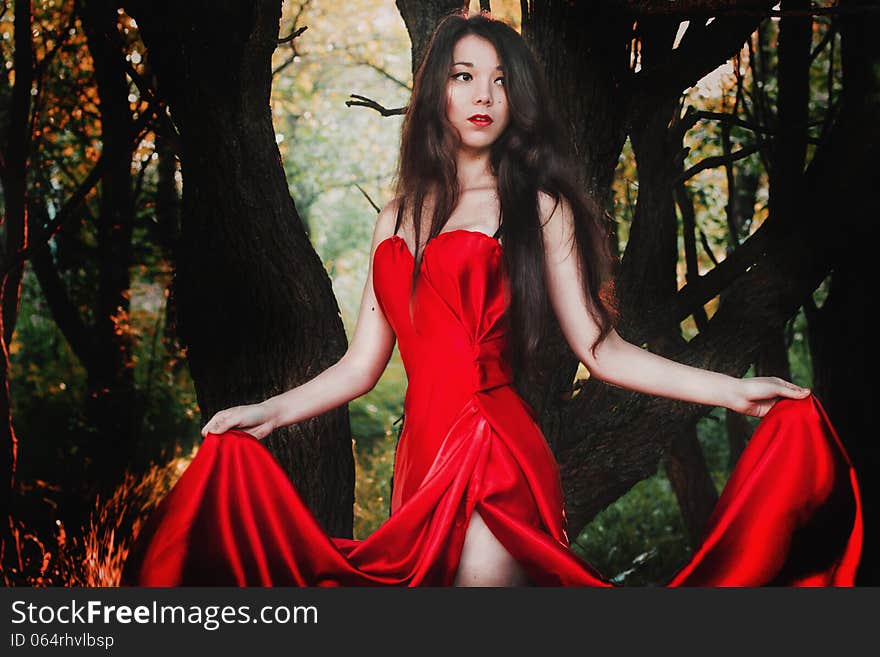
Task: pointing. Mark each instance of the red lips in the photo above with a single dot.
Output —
(480, 119)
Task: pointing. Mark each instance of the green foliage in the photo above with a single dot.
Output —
(50, 386)
(640, 539)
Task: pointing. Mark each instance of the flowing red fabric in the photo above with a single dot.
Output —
(790, 513)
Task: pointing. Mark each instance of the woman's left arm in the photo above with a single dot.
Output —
(623, 364)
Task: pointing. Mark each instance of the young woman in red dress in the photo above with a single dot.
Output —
(477, 499)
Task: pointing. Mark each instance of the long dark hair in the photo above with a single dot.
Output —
(528, 157)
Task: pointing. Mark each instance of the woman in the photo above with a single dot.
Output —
(477, 498)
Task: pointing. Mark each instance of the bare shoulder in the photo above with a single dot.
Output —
(385, 221)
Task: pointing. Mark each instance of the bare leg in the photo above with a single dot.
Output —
(484, 561)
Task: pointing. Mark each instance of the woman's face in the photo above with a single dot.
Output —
(476, 99)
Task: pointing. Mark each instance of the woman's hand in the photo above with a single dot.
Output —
(756, 395)
(255, 419)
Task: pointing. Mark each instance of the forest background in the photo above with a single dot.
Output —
(188, 195)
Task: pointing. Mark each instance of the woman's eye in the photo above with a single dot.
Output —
(457, 76)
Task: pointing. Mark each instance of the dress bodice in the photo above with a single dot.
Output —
(456, 330)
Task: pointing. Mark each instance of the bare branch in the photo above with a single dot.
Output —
(363, 101)
(73, 205)
(829, 35)
(291, 39)
(292, 36)
(708, 249)
(384, 72)
(696, 293)
(734, 120)
(715, 161)
(367, 196)
(689, 227)
(159, 106)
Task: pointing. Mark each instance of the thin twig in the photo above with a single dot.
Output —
(160, 107)
(829, 34)
(734, 120)
(293, 35)
(363, 101)
(367, 196)
(708, 248)
(382, 71)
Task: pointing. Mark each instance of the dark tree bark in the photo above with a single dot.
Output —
(421, 18)
(691, 481)
(13, 177)
(838, 331)
(167, 199)
(648, 268)
(788, 151)
(111, 374)
(585, 47)
(254, 304)
(740, 215)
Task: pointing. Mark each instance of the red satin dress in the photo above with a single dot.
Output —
(790, 513)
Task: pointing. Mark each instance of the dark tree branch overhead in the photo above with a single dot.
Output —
(716, 161)
(701, 50)
(733, 120)
(697, 293)
(708, 8)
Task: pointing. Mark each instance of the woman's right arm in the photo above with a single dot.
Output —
(355, 374)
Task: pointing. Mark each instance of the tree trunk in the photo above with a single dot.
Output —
(838, 332)
(421, 18)
(740, 213)
(13, 175)
(648, 269)
(789, 151)
(110, 399)
(686, 469)
(254, 304)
